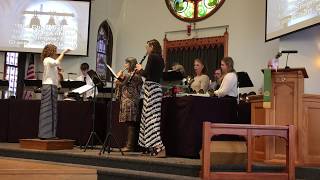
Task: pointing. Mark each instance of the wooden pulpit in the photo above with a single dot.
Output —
(286, 109)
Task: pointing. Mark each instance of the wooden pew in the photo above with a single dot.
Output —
(248, 131)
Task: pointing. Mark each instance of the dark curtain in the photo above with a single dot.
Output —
(211, 57)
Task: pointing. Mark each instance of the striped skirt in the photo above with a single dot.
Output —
(48, 111)
(149, 135)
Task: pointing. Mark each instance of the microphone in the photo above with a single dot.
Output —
(72, 73)
(38, 72)
(289, 51)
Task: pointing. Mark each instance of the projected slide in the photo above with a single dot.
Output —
(28, 25)
(285, 16)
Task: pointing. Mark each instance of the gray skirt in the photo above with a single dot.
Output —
(48, 111)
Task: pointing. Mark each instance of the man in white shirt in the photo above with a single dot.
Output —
(84, 67)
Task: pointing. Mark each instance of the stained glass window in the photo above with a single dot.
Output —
(11, 70)
(104, 50)
(193, 10)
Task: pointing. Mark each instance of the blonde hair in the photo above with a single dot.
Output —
(229, 62)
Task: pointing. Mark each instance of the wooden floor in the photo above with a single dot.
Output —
(17, 169)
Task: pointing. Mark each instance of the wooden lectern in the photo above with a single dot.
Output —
(286, 109)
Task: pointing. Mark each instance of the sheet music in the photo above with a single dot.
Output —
(111, 70)
(82, 89)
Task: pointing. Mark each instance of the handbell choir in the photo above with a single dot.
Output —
(144, 129)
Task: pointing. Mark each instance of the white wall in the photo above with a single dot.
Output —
(307, 42)
(147, 19)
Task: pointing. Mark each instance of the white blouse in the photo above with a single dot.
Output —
(228, 86)
(50, 71)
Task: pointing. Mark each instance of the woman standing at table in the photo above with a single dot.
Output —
(149, 136)
(48, 108)
(228, 87)
(128, 94)
(201, 81)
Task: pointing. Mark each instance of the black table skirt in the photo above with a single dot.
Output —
(181, 123)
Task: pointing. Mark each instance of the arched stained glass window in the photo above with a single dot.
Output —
(104, 50)
(193, 10)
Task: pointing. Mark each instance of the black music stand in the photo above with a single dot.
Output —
(244, 80)
(69, 85)
(97, 83)
(4, 85)
(172, 76)
(32, 84)
(107, 142)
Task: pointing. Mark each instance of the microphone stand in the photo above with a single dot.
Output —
(93, 134)
(287, 67)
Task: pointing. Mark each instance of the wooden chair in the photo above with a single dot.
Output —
(249, 131)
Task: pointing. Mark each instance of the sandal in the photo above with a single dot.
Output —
(158, 152)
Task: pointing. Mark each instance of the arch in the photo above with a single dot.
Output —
(104, 50)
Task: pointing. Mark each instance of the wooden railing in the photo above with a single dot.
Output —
(249, 131)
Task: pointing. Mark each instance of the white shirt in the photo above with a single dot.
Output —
(89, 82)
(228, 86)
(50, 71)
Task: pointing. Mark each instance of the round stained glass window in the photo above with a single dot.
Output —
(193, 10)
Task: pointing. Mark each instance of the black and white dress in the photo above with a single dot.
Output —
(49, 96)
(149, 136)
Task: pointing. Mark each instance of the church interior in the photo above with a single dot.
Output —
(267, 128)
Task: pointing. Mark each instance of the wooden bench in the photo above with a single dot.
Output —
(248, 131)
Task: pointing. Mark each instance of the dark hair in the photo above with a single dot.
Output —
(204, 70)
(229, 62)
(217, 70)
(132, 63)
(49, 50)
(156, 46)
(84, 66)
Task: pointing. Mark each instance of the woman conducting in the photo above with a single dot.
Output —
(50, 82)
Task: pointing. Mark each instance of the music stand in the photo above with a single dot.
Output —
(97, 82)
(244, 80)
(71, 84)
(107, 142)
(32, 84)
(67, 86)
(4, 85)
(172, 76)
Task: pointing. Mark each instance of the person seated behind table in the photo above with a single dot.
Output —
(217, 75)
(178, 68)
(228, 87)
(200, 83)
(84, 67)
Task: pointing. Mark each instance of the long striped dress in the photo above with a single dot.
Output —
(151, 115)
(48, 111)
(49, 97)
